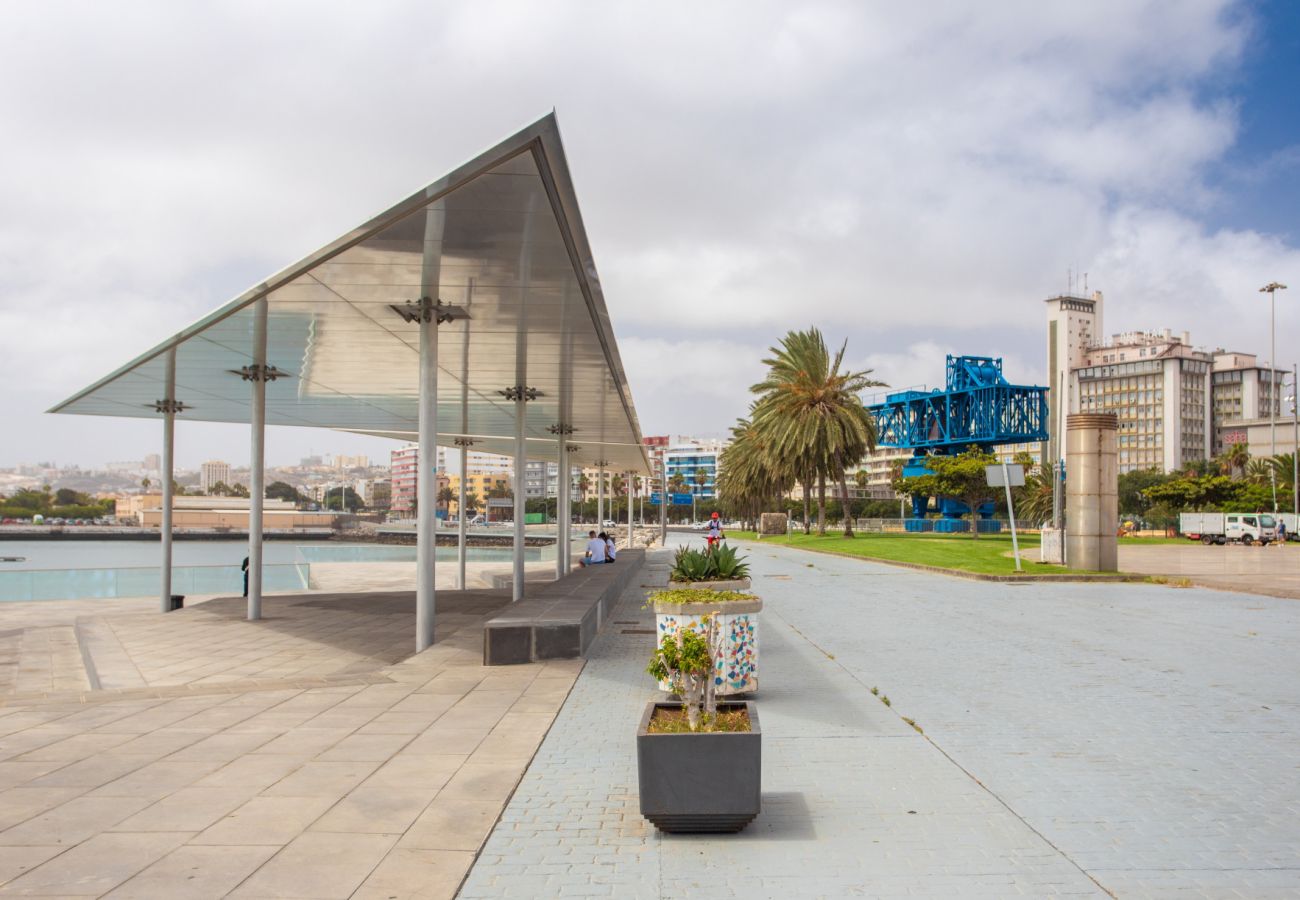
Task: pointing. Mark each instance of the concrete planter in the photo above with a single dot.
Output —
(696, 782)
(737, 668)
(738, 584)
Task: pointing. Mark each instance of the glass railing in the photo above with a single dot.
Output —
(143, 581)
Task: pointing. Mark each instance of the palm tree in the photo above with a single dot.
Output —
(445, 497)
(811, 414)
(617, 486)
(584, 485)
(1233, 461)
(471, 502)
(747, 475)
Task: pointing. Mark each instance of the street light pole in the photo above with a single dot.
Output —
(1295, 443)
(1274, 401)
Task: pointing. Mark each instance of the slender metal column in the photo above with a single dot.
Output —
(628, 484)
(600, 499)
(427, 482)
(562, 510)
(521, 464)
(257, 460)
(462, 524)
(464, 443)
(169, 407)
(663, 502)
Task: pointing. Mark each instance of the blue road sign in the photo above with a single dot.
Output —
(673, 499)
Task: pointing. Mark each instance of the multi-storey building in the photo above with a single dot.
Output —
(1176, 404)
(404, 471)
(541, 479)
(479, 484)
(1158, 386)
(692, 460)
(1074, 326)
(449, 460)
(1241, 391)
(212, 472)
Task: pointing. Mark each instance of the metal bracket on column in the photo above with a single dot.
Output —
(560, 428)
(601, 463)
(464, 442)
(572, 448)
(426, 309)
(259, 373)
(519, 392)
(169, 406)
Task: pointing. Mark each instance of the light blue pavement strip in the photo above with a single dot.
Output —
(1078, 737)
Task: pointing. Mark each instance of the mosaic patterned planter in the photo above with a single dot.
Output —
(694, 783)
(737, 668)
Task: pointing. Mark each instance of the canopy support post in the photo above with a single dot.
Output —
(169, 407)
(628, 490)
(258, 374)
(521, 464)
(462, 524)
(426, 486)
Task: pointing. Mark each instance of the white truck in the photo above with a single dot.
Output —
(1219, 528)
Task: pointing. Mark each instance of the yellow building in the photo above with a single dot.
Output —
(475, 483)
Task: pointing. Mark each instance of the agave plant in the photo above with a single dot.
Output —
(721, 565)
(727, 566)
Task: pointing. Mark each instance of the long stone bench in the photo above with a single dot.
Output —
(559, 620)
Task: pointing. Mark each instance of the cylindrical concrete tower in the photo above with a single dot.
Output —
(1092, 492)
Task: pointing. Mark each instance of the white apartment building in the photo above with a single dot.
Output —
(1173, 401)
(478, 463)
(212, 472)
(1074, 326)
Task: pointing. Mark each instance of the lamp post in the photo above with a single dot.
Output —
(1273, 400)
(1295, 442)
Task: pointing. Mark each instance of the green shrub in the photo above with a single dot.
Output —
(699, 595)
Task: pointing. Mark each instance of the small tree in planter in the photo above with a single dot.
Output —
(685, 662)
(707, 778)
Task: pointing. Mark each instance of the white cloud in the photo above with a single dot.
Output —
(914, 176)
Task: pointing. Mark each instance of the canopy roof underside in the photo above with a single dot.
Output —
(500, 238)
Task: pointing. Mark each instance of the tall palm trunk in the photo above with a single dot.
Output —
(807, 505)
(821, 504)
(844, 504)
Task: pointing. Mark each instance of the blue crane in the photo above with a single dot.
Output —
(977, 406)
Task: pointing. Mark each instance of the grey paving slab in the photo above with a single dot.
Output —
(1078, 739)
(281, 758)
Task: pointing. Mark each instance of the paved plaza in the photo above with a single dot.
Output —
(305, 755)
(1272, 570)
(1087, 739)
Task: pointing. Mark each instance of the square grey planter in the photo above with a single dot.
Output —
(700, 782)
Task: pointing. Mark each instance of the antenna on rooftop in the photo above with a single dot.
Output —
(1085, 284)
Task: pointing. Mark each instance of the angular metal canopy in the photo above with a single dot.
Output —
(501, 241)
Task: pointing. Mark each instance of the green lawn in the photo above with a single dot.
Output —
(985, 554)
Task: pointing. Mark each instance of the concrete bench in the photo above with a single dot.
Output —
(559, 620)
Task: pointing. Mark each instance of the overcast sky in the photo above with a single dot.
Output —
(914, 178)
